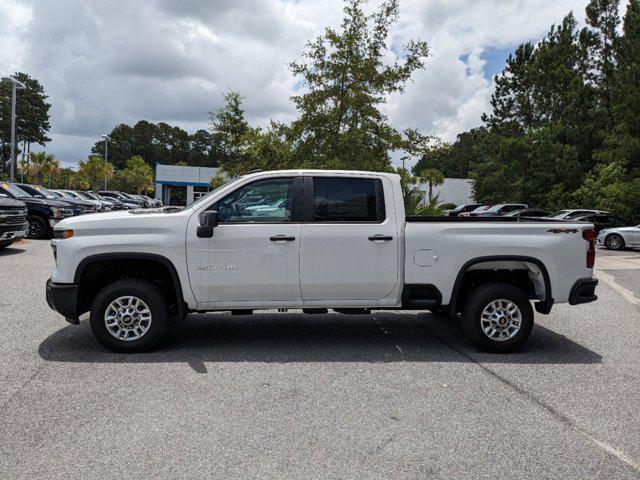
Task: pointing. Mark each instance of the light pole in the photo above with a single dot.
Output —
(14, 85)
(106, 154)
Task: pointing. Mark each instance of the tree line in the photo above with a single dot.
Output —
(564, 129)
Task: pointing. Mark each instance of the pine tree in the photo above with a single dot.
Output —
(347, 80)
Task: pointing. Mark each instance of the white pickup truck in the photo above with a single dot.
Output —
(314, 240)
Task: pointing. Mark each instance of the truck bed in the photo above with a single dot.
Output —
(425, 219)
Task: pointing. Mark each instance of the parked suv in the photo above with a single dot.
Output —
(42, 213)
(13, 220)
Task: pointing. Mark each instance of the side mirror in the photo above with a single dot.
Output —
(207, 220)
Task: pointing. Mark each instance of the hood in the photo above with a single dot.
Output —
(75, 201)
(44, 201)
(124, 223)
(11, 203)
(619, 229)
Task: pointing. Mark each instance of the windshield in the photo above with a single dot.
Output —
(47, 193)
(84, 196)
(15, 191)
(559, 214)
(217, 189)
(495, 208)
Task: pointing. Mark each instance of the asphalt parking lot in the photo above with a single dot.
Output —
(295, 396)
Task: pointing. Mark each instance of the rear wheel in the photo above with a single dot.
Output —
(129, 316)
(498, 317)
(38, 227)
(614, 242)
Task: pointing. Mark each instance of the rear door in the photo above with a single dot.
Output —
(349, 243)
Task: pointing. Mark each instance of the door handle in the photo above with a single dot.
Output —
(378, 238)
(282, 238)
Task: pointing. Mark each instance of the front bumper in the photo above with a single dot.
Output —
(13, 233)
(63, 298)
(583, 291)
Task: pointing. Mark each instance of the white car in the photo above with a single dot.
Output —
(619, 238)
(344, 243)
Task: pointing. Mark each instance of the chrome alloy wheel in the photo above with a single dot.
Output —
(614, 242)
(501, 320)
(127, 318)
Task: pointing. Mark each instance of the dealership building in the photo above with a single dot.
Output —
(177, 185)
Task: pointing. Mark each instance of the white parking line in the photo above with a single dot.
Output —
(609, 280)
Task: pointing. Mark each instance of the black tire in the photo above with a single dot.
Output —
(480, 299)
(614, 242)
(38, 227)
(143, 290)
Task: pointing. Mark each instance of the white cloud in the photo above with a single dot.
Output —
(103, 63)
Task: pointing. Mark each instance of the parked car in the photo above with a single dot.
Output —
(154, 201)
(529, 212)
(464, 208)
(619, 238)
(79, 207)
(475, 212)
(601, 220)
(501, 209)
(13, 220)
(101, 206)
(144, 203)
(114, 203)
(128, 203)
(149, 202)
(570, 214)
(349, 248)
(42, 213)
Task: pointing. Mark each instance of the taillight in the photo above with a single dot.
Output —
(590, 236)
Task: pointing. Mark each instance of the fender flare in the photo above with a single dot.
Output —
(85, 262)
(543, 306)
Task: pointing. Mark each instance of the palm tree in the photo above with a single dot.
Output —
(95, 170)
(432, 177)
(42, 166)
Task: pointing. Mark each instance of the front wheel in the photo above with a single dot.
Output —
(498, 317)
(129, 316)
(38, 227)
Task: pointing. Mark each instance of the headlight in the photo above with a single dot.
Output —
(62, 233)
(56, 212)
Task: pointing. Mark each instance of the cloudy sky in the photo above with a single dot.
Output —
(104, 62)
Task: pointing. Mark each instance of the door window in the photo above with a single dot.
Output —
(264, 201)
(347, 200)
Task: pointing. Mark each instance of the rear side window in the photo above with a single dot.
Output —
(347, 200)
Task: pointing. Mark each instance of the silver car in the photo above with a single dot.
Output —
(619, 238)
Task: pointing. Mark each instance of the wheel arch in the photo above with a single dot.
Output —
(130, 264)
(543, 306)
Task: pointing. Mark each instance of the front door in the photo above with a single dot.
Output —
(349, 247)
(253, 257)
